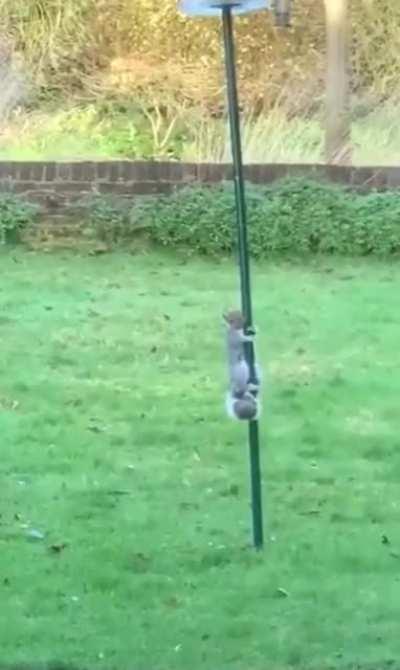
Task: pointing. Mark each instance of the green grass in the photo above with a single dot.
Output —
(114, 441)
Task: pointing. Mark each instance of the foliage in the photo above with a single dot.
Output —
(102, 130)
(111, 219)
(273, 137)
(375, 53)
(109, 130)
(291, 217)
(199, 219)
(148, 50)
(15, 215)
(142, 85)
(108, 218)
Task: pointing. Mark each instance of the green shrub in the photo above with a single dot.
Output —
(375, 224)
(197, 219)
(299, 216)
(15, 215)
(291, 216)
(108, 219)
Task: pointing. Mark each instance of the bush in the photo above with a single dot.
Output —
(15, 216)
(108, 219)
(111, 219)
(197, 219)
(291, 217)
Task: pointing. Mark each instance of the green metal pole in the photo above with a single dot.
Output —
(244, 264)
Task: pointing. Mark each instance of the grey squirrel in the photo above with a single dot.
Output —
(242, 401)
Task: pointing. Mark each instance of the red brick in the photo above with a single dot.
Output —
(83, 171)
(103, 170)
(24, 186)
(135, 188)
(50, 171)
(115, 170)
(368, 178)
(73, 187)
(9, 170)
(31, 171)
(213, 172)
(63, 172)
(393, 177)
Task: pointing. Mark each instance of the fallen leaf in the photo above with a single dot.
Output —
(100, 249)
(232, 490)
(35, 534)
(95, 429)
(58, 548)
(188, 506)
(6, 403)
(119, 492)
(140, 563)
(172, 602)
(95, 426)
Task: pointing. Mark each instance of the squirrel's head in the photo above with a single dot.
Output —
(234, 319)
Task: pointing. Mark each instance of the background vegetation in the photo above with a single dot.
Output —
(138, 79)
(291, 217)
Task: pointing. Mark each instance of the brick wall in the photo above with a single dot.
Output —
(59, 186)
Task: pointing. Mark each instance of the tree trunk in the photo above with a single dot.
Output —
(282, 13)
(338, 124)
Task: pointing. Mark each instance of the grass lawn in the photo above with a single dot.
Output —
(114, 443)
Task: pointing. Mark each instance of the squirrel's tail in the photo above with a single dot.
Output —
(243, 407)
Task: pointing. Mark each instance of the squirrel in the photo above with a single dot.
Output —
(243, 406)
(242, 400)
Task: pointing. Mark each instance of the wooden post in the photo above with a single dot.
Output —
(338, 122)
